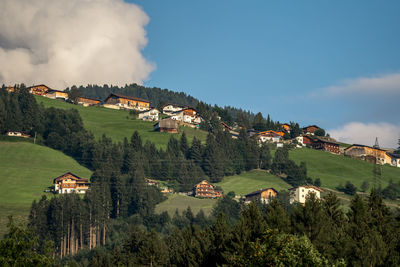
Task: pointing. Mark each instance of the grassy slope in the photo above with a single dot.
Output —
(251, 181)
(117, 124)
(26, 170)
(180, 202)
(337, 169)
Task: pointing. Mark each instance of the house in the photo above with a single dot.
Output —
(251, 132)
(206, 190)
(326, 145)
(227, 128)
(18, 134)
(86, 101)
(300, 194)
(127, 102)
(40, 89)
(171, 108)
(167, 125)
(395, 159)
(151, 182)
(187, 115)
(367, 153)
(70, 183)
(269, 137)
(149, 115)
(310, 129)
(304, 140)
(281, 133)
(264, 195)
(55, 94)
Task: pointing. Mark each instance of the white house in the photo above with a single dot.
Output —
(188, 115)
(300, 194)
(171, 108)
(149, 115)
(269, 137)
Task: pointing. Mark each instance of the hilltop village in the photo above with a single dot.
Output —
(169, 117)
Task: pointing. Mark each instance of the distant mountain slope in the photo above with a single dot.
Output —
(337, 169)
(26, 170)
(118, 124)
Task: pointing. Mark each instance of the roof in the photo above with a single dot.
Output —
(144, 111)
(176, 105)
(311, 126)
(94, 99)
(70, 173)
(127, 97)
(323, 140)
(308, 186)
(179, 111)
(354, 145)
(260, 191)
(39, 85)
(394, 155)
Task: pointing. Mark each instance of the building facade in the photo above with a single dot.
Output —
(301, 193)
(70, 183)
(326, 145)
(166, 126)
(40, 89)
(263, 195)
(206, 190)
(127, 102)
(368, 153)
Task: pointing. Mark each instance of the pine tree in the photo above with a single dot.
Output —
(183, 145)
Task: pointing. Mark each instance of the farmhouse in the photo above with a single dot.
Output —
(55, 94)
(264, 195)
(205, 189)
(269, 137)
(18, 134)
(171, 108)
(86, 101)
(127, 102)
(166, 125)
(187, 115)
(310, 129)
(367, 153)
(149, 115)
(40, 89)
(70, 183)
(326, 144)
(300, 194)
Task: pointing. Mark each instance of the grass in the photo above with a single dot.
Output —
(247, 182)
(181, 202)
(26, 170)
(337, 169)
(118, 124)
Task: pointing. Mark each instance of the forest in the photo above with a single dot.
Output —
(115, 223)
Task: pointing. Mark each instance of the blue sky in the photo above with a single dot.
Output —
(295, 60)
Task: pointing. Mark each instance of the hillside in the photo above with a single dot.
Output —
(26, 170)
(337, 169)
(181, 202)
(247, 182)
(118, 124)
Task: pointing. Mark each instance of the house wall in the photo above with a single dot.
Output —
(39, 90)
(361, 151)
(300, 194)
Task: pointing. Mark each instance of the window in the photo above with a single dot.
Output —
(302, 190)
(302, 195)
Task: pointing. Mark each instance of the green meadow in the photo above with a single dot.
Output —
(26, 170)
(181, 203)
(118, 124)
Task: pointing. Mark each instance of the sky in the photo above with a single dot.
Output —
(331, 63)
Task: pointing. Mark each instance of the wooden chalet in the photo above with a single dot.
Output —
(367, 153)
(55, 94)
(206, 190)
(86, 101)
(70, 183)
(167, 125)
(263, 195)
(310, 129)
(326, 145)
(40, 89)
(127, 102)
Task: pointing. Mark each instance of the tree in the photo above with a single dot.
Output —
(317, 182)
(319, 132)
(365, 186)
(349, 188)
(183, 145)
(73, 94)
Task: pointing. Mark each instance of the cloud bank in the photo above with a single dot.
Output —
(61, 43)
(365, 133)
(388, 84)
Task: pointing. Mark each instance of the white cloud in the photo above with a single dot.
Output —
(365, 133)
(388, 84)
(62, 43)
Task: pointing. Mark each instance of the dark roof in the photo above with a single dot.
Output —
(311, 126)
(70, 173)
(394, 155)
(323, 140)
(259, 192)
(90, 98)
(127, 97)
(54, 90)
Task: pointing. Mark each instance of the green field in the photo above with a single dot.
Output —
(181, 202)
(26, 170)
(248, 182)
(118, 124)
(337, 169)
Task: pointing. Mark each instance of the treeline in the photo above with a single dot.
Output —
(319, 233)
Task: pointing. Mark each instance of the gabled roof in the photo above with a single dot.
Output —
(357, 145)
(39, 85)
(94, 99)
(323, 140)
(127, 97)
(311, 126)
(260, 191)
(75, 177)
(307, 186)
(176, 105)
